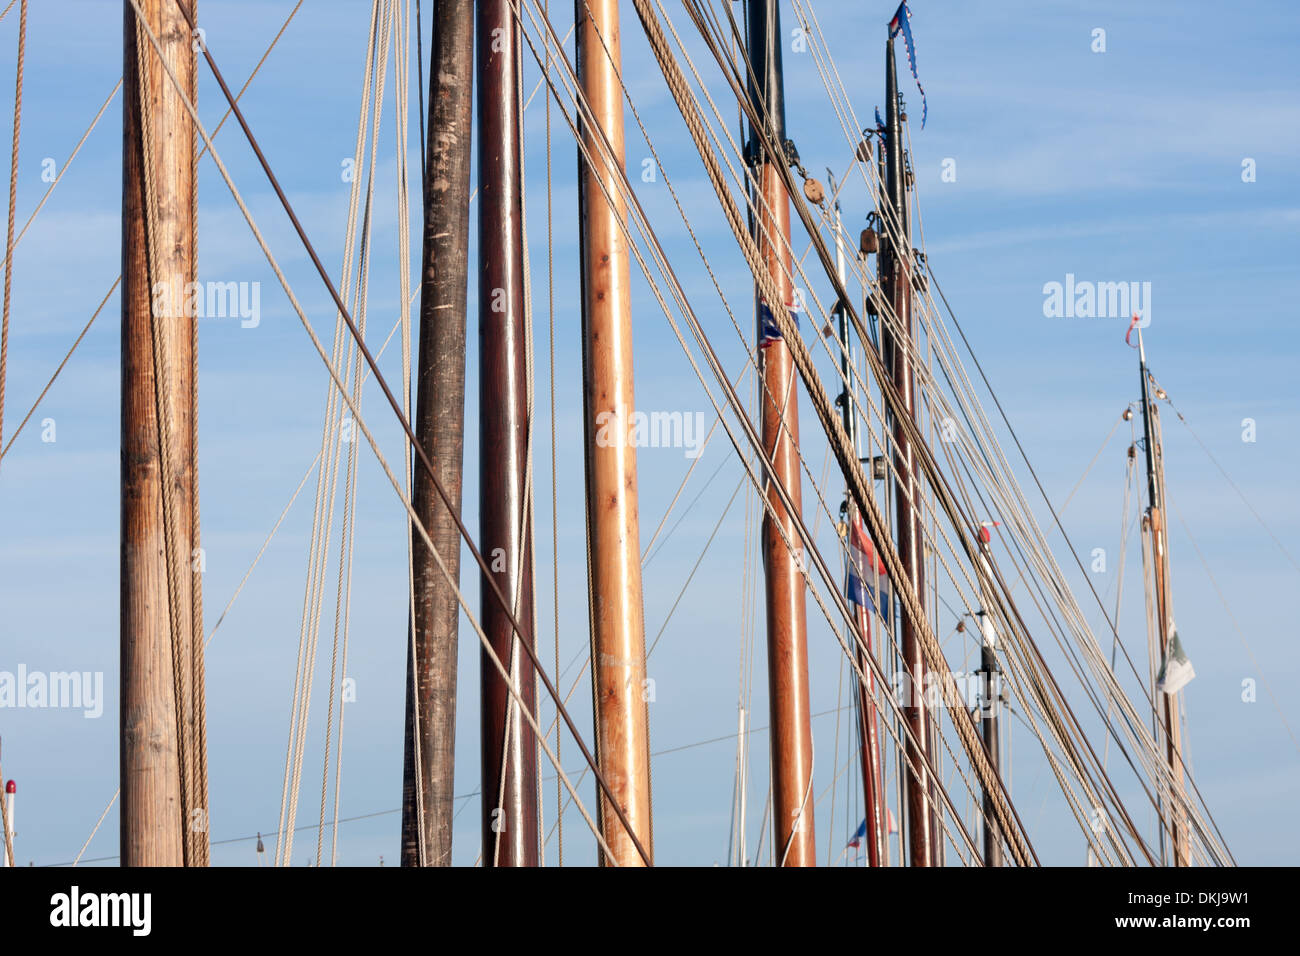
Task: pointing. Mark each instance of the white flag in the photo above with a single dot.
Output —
(1175, 669)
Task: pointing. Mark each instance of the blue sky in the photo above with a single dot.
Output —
(1117, 166)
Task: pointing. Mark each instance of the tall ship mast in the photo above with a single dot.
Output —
(897, 269)
(164, 804)
(429, 752)
(933, 662)
(1175, 669)
(509, 799)
(769, 151)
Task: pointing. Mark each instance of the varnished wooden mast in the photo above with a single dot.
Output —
(787, 636)
(430, 748)
(896, 272)
(509, 746)
(1155, 526)
(163, 805)
(619, 684)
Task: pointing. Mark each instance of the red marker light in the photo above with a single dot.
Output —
(11, 787)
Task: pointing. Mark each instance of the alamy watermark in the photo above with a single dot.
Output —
(969, 688)
(209, 300)
(683, 430)
(1084, 299)
(83, 690)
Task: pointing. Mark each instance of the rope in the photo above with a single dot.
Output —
(529, 517)
(283, 514)
(59, 178)
(724, 381)
(50, 383)
(182, 662)
(830, 421)
(326, 483)
(379, 455)
(379, 61)
(478, 557)
(81, 142)
(555, 505)
(199, 678)
(751, 435)
(13, 199)
(1130, 470)
(94, 829)
(1235, 626)
(670, 319)
(404, 322)
(1233, 485)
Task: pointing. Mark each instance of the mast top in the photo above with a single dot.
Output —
(766, 76)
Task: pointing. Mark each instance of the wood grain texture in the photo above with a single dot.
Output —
(617, 615)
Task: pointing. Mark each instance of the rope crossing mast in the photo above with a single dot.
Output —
(163, 748)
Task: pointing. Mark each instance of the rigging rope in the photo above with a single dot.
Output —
(821, 403)
(405, 424)
(697, 331)
(13, 198)
(39, 206)
(185, 664)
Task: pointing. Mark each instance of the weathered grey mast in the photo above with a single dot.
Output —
(430, 747)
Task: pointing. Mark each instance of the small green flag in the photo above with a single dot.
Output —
(1175, 669)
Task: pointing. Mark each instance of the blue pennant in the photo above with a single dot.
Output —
(901, 25)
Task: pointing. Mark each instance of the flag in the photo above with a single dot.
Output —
(1133, 324)
(901, 25)
(891, 826)
(768, 330)
(858, 834)
(866, 572)
(1175, 669)
(880, 132)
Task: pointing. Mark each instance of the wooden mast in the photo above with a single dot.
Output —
(1155, 526)
(619, 686)
(787, 646)
(164, 805)
(439, 425)
(896, 273)
(509, 746)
